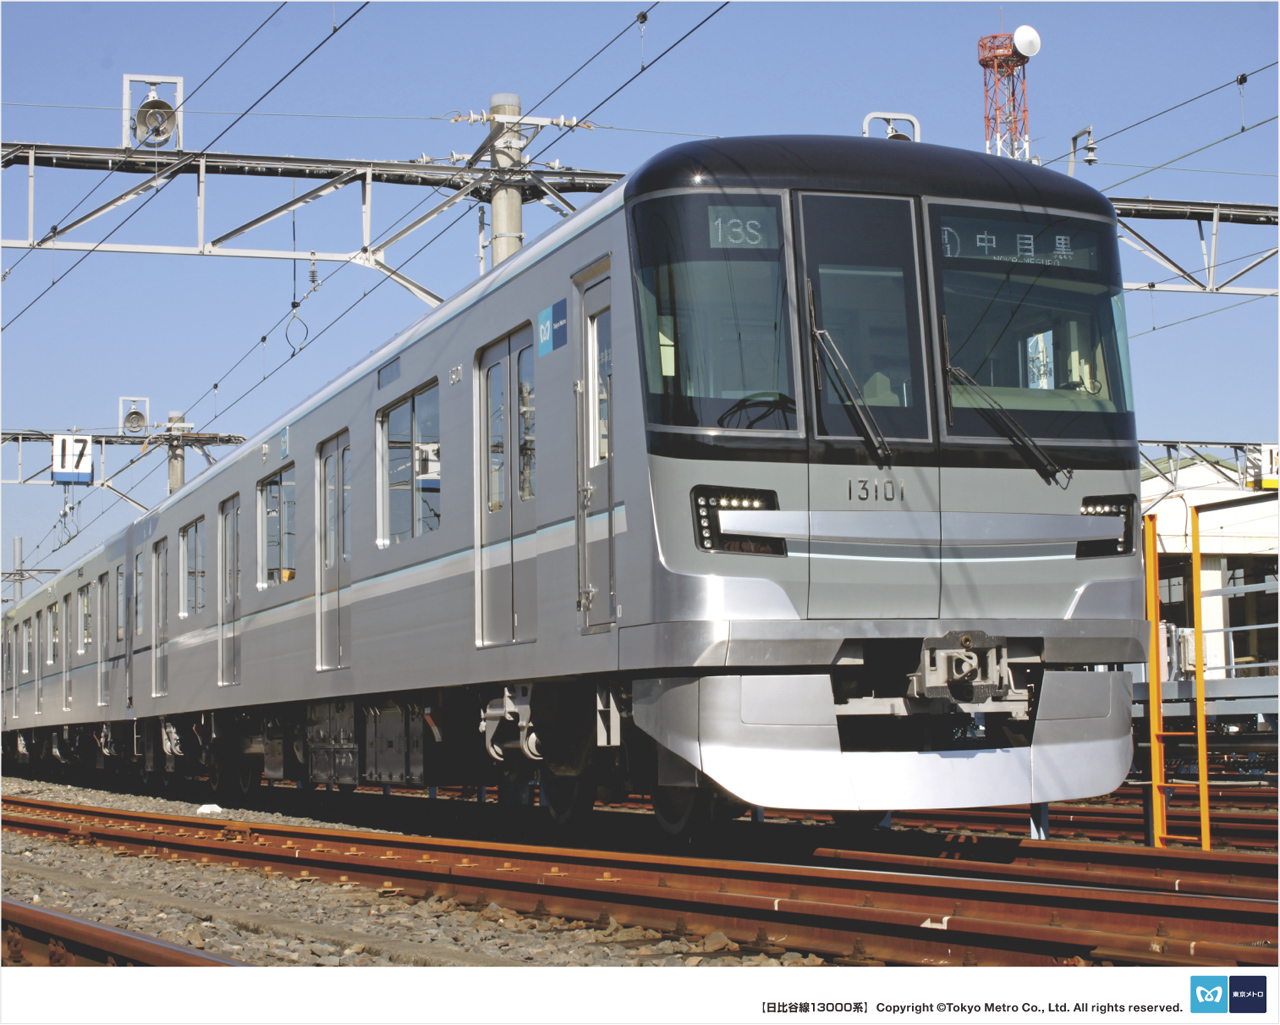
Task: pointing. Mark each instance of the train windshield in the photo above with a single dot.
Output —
(714, 313)
(1033, 313)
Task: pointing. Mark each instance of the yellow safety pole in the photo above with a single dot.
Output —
(1201, 739)
(1155, 683)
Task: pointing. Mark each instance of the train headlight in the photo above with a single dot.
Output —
(708, 500)
(1108, 505)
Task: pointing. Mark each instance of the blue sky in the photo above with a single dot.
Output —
(168, 327)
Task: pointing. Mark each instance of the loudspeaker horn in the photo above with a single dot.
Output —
(154, 122)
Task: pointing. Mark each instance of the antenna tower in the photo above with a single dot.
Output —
(1004, 59)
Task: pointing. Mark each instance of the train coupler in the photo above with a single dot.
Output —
(966, 668)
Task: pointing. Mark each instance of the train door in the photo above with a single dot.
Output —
(229, 606)
(595, 508)
(508, 514)
(160, 619)
(875, 534)
(333, 553)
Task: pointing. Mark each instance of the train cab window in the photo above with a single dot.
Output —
(1033, 313)
(528, 455)
(714, 312)
(121, 610)
(277, 531)
(85, 614)
(409, 451)
(860, 266)
(139, 593)
(191, 544)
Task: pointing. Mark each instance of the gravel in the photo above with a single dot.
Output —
(268, 919)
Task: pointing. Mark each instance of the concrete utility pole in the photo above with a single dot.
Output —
(508, 223)
(17, 568)
(177, 455)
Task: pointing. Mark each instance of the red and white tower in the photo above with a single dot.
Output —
(1004, 62)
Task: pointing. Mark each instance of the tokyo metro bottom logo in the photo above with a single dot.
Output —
(1218, 994)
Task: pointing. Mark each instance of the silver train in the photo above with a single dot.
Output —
(794, 472)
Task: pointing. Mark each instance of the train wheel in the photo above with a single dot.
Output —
(681, 811)
(569, 799)
(248, 775)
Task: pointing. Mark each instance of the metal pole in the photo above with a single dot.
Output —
(17, 569)
(507, 201)
(1201, 740)
(1155, 688)
(177, 456)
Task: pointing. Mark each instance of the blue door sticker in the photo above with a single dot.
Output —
(553, 327)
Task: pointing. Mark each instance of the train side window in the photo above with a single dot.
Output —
(83, 607)
(277, 534)
(409, 456)
(26, 646)
(330, 513)
(139, 593)
(601, 335)
(120, 606)
(527, 436)
(160, 553)
(55, 637)
(495, 435)
(191, 543)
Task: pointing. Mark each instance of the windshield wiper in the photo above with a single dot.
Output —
(854, 402)
(767, 402)
(1001, 419)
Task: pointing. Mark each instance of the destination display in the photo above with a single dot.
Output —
(1061, 244)
(743, 227)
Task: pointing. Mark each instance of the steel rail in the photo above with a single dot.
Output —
(1165, 870)
(41, 937)
(1239, 829)
(851, 915)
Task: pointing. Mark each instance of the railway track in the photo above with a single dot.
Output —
(38, 937)
(1241, 829)
(887, 912)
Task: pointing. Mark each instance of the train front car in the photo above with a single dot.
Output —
(894, 470)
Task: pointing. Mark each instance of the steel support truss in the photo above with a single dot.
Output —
(1213, 214)
(1243, 470)
(468, 181)
(159, 437)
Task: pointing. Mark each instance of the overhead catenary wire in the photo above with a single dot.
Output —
(632, 78)
(1201, 149)
(160, 188)
(1168, 110)
(1146, 288)
(638, 19)
(185, 100)
(1198, 316)
(245, 394)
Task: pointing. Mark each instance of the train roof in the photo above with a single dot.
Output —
(841, 163)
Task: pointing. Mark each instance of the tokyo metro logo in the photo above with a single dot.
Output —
(1240, 994)
(1208, 994)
